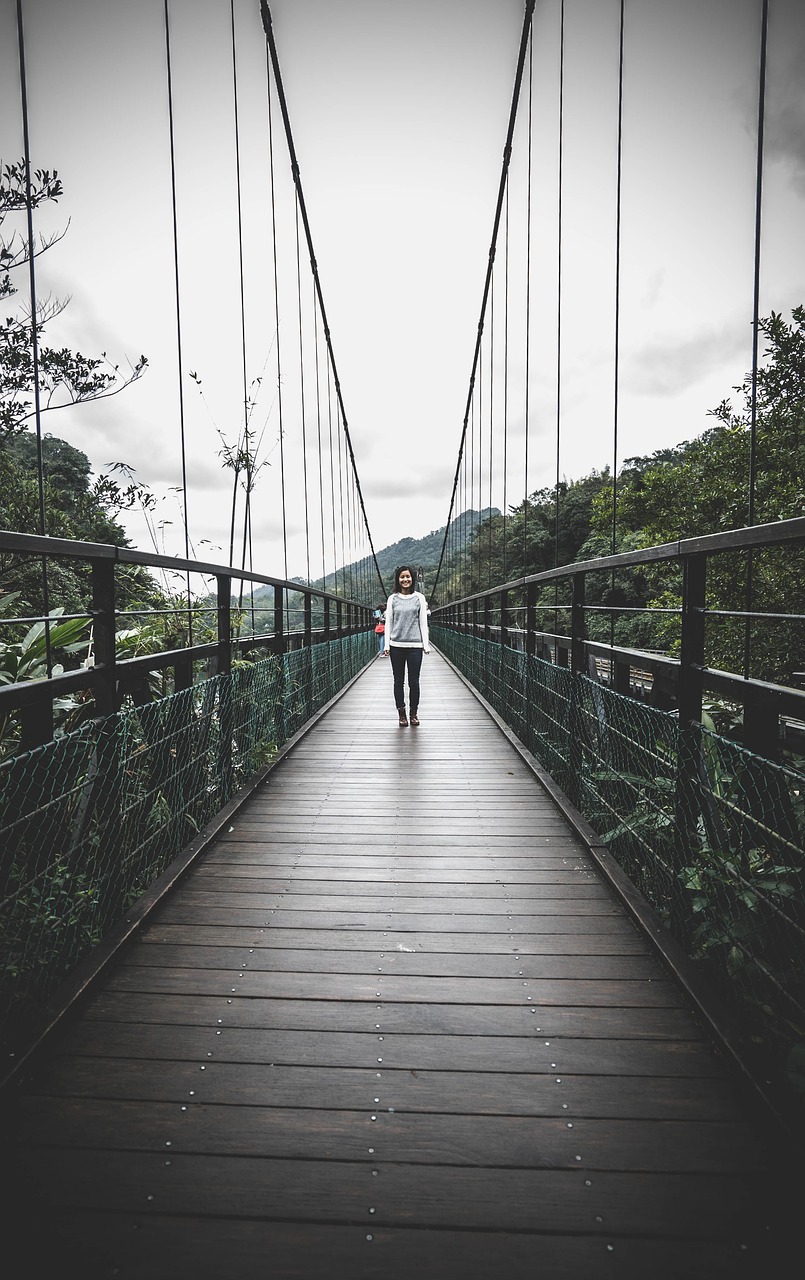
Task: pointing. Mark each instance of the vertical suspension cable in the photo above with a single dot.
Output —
(616, 388)
(40, 462)
(332, 475)
(339, 426)
(318, 426)
(355, 551)
(479, 538)
(505, 379)
(277, 316)
(761, 111)
(469, 467)
(559, 278)
(302, 397)
(462, 532)
(526, 495)
(491, 417)
(616, 402)
(469, 541)
(756, 281)
(351, 526)
(559, 230)
(177, 296)
(247, 519)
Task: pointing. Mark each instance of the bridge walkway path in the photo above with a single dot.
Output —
(393, 1022)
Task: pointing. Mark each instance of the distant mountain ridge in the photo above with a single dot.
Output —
(423, 553)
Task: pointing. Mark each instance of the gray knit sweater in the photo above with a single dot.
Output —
(407, 621)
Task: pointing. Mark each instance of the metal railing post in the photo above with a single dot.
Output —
(223, 661)
(504, 658)
(308, 620)
(105, 797)
(279, 651)
(578, 635)
(578, 627)
(691, 653)
(531, 620)
(689, 776)
(308, 660)
(504, 622)
(103, 634)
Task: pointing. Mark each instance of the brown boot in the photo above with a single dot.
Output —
(403, 718)
(414, 718)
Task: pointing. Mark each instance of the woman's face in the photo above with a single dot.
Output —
(406, 581)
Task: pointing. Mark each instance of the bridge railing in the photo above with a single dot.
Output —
(709, 826)
(111, 769)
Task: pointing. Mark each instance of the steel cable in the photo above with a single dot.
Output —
(524, 38)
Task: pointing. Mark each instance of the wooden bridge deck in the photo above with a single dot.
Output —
(393, 1023)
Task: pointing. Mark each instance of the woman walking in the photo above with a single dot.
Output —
(406, 639)
(380, 627)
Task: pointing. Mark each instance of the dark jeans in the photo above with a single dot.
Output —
(399, 659)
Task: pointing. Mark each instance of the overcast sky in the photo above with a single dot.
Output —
(399, 113)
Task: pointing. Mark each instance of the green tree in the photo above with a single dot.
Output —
(75, 505)
(65, 377)
(528, 542)
(703, 487)
(700, 487)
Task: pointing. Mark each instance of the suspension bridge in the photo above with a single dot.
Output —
(290, 990)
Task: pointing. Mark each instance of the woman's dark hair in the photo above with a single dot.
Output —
(401, 569)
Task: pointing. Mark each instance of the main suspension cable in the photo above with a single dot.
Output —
(272, 47)
(518, 79)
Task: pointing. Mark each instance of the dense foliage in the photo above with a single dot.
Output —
(700, 487)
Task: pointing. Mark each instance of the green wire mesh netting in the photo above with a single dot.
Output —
(710, 833)
(92, 819)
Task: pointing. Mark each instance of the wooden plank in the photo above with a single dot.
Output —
(600, 937)
(584, 899)
(326, 1015)
(441, 964)
(547, 854)
(571, 919)
(434, 1092)
(398, 924)
(436, 1052)
(172, 1247)
(306, 879)
(622, 1204)
(528, 1142)
(391, 987)
(468, 878)
(430, 839)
